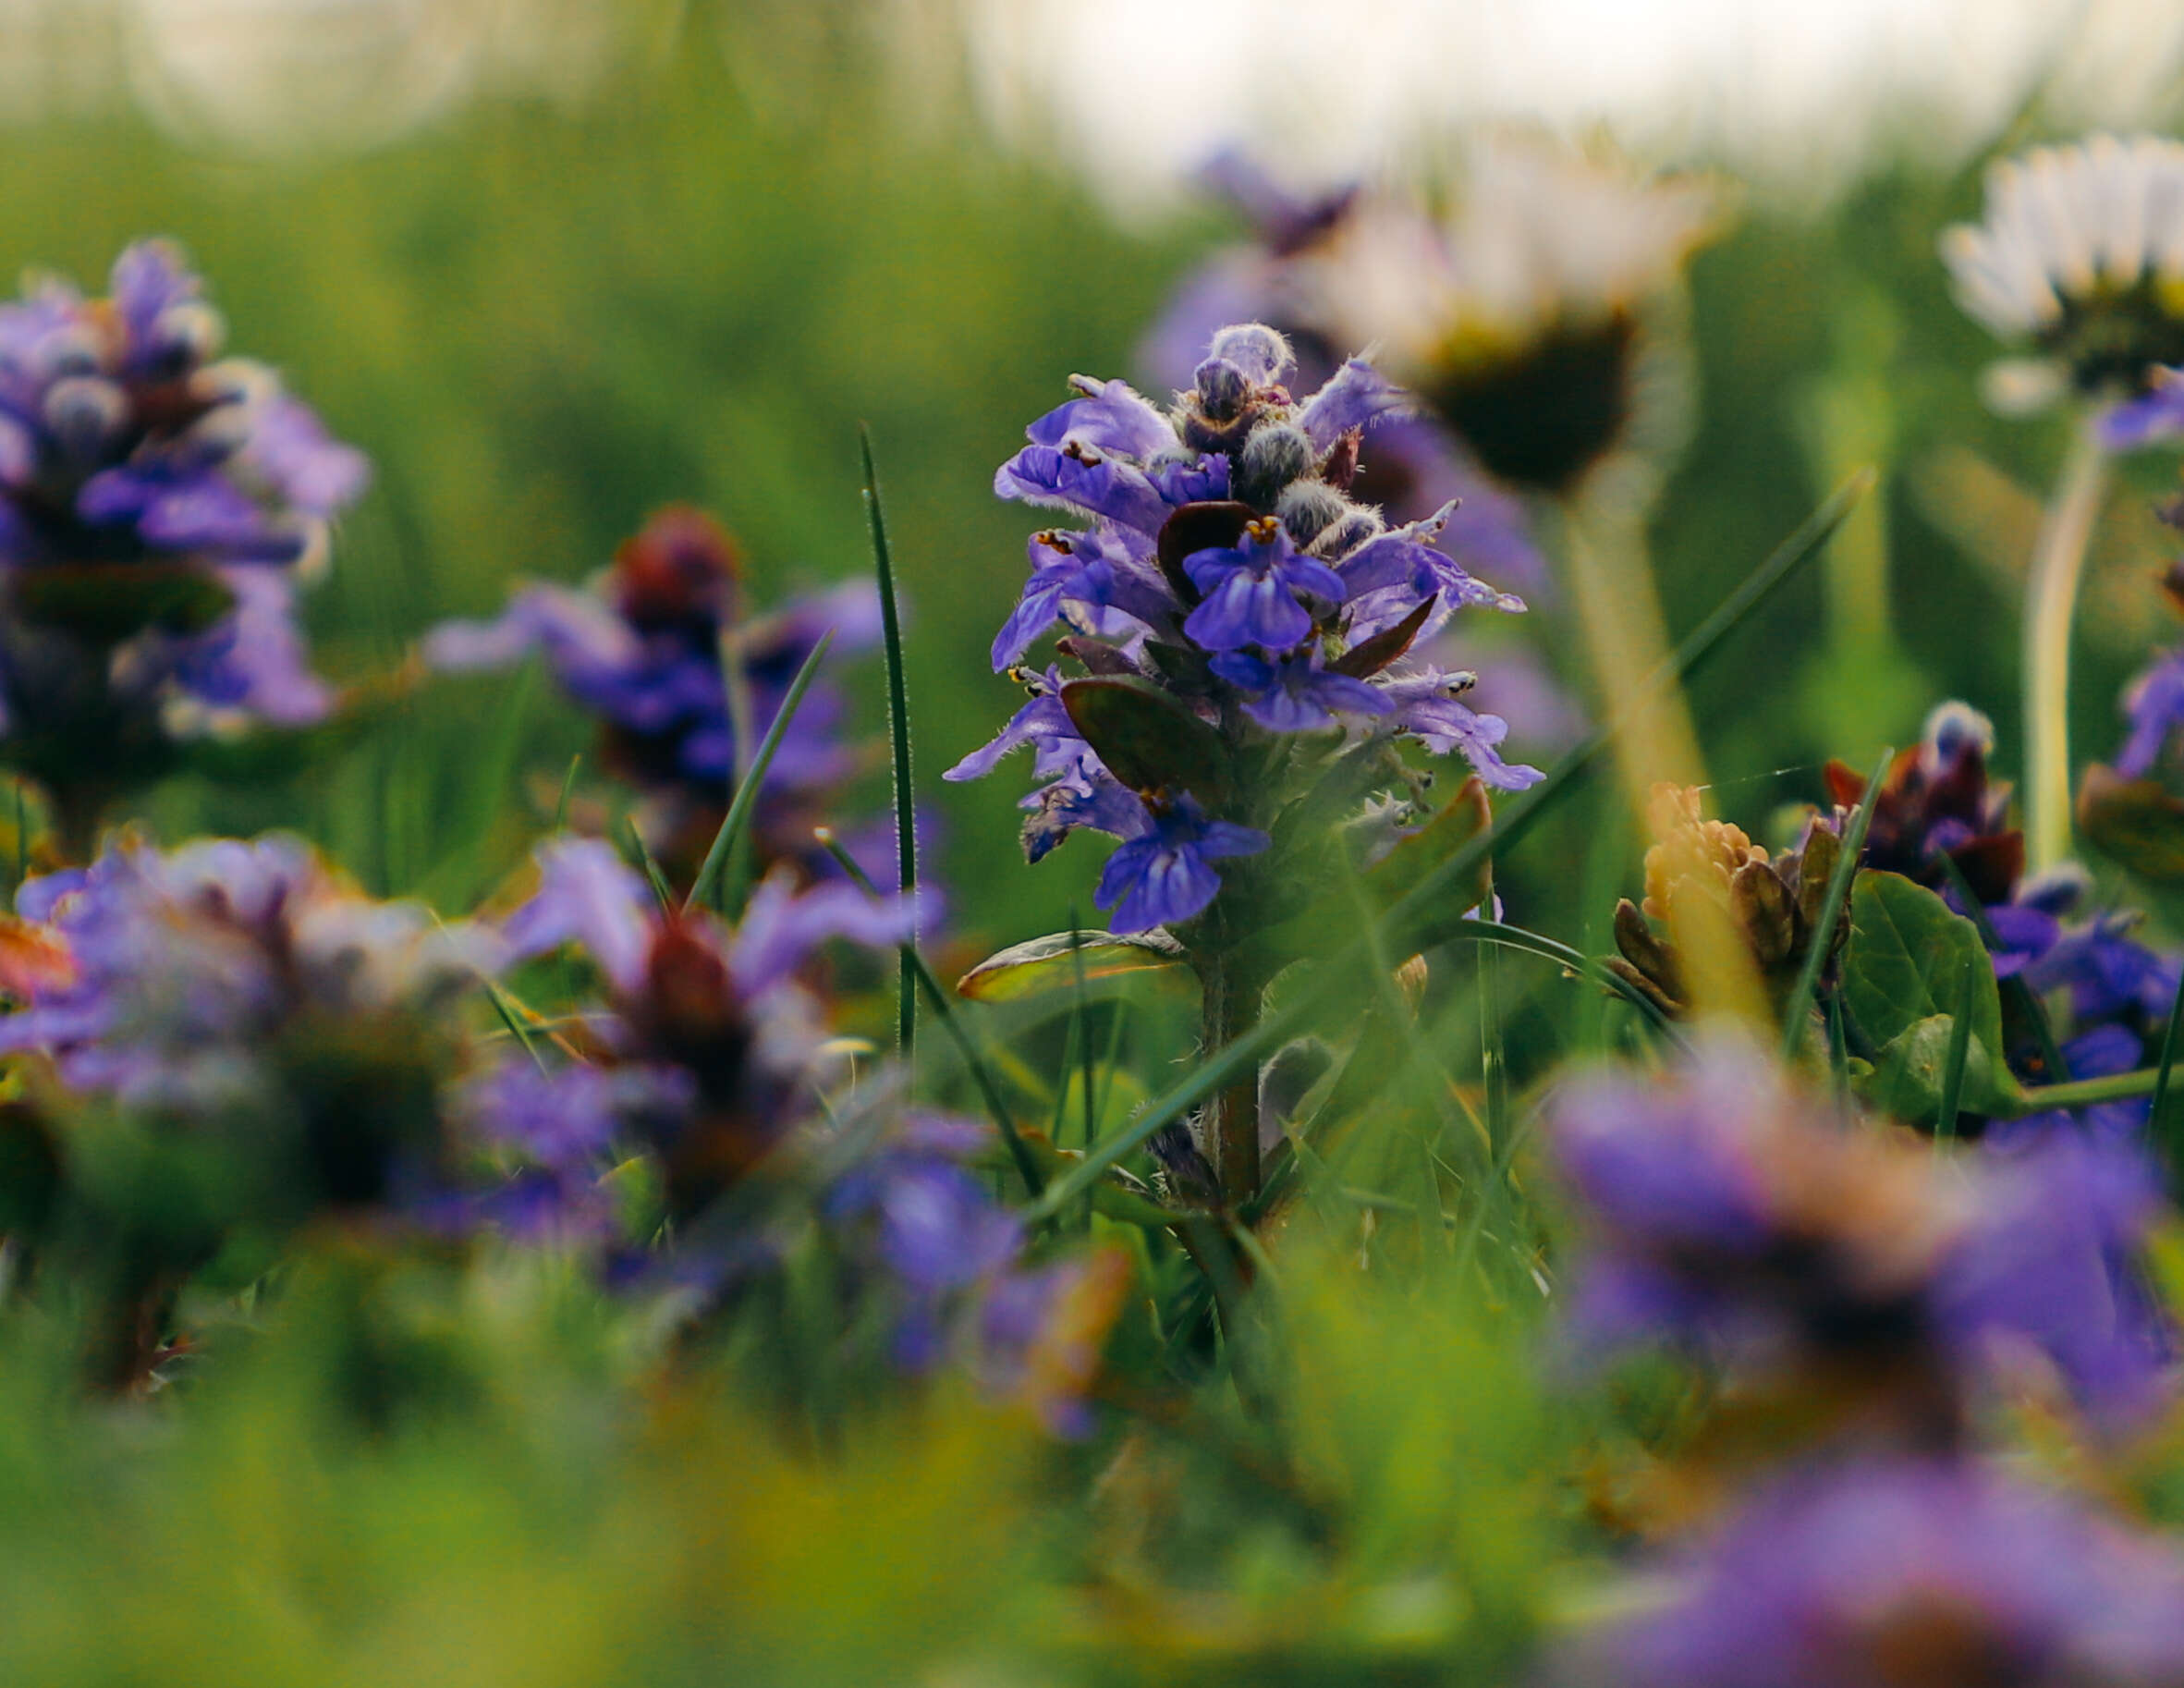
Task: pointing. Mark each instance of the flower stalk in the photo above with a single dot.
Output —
(2051, 602)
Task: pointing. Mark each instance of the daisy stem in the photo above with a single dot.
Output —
(2051, 601)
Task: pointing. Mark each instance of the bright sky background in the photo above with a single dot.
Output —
(1139, 92)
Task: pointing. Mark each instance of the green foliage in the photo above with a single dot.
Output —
(1903, 971)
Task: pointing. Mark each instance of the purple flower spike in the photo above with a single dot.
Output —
(139, 478)
(640, 647)
(1232, 553)
(1164, 875)
(1251, 592)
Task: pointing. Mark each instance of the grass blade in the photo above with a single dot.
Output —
(1084, 1040)
(1959, 1051)
(747, 790)
(899, 729)
(1570, 960)
(657, 879)
(1415, 913)
(1831, 912)
(568, 786)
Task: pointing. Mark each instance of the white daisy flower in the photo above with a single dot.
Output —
(2081, 252)
(1529, 316)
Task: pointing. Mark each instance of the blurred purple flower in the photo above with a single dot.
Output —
(156, 509)
(1736, 1214)
(641, 647)
(1903, 1573)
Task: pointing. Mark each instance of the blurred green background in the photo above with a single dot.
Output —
(543, 320)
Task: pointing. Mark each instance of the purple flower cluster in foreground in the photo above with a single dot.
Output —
(1227, 566)
(1904, 1572)
(1739, 1217)
(1736, 1214)
(156, 507)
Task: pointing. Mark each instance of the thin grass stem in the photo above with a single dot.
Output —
(899, 728)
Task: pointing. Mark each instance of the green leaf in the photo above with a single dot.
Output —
(1048, 963)
(1147, 738)
(1464, 817)
(1909, 1080)
(1902, 969)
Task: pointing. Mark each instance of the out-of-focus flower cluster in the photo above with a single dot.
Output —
(1878, 1300)
(711, 1060)
(648, 647)
(157, 507)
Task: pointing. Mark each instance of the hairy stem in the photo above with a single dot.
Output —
(1229, 998)
(2051, 601)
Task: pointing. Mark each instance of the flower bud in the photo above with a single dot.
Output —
(1349, 533)
(186, 333)
(1222, 388)
(1308, 508)
(1954, 731)
(84, 412)
(1263, 355)
(1276, 454)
